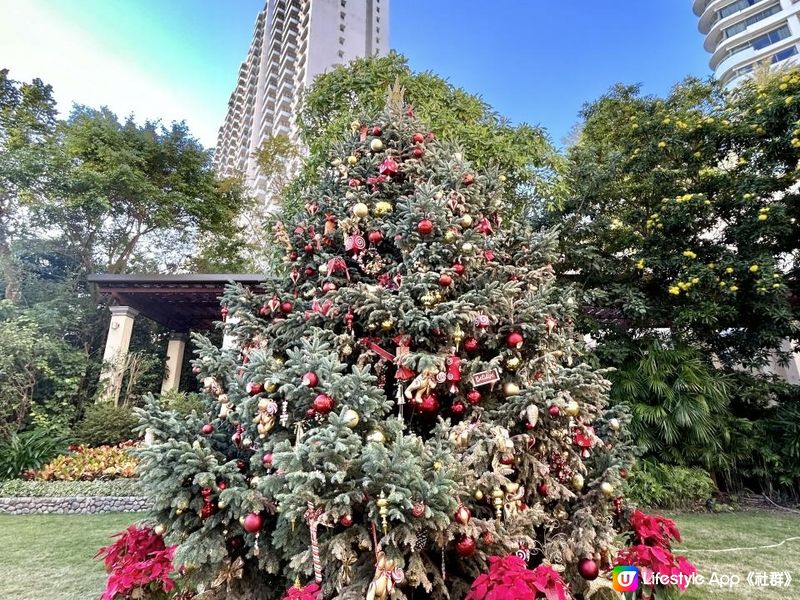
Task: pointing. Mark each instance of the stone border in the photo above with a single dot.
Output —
(26, 505)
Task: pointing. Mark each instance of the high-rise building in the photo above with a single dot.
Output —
(741, 34)
(294, 41)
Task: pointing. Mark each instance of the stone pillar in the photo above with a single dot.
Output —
(116, 352)
(172, 370)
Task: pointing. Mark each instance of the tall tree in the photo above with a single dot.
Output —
(686, 215)
(27, 122)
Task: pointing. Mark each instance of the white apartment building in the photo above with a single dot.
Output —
(743, 33)
(294, 41)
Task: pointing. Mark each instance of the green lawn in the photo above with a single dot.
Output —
(49, 557)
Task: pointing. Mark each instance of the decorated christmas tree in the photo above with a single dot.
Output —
(406, 398)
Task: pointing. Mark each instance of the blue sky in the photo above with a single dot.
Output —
(533, 60)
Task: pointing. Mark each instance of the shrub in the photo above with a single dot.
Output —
(106, 424)
(29, 450)
(667, 486)
(183, 403)
(19, 488)
(86, 464)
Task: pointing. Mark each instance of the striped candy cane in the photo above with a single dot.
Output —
(313, 516)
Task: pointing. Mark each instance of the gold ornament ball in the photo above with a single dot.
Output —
(510, 389)
(351, 160)
(513, 363)
(606, 489)
(381, 502)
(350, 418)
(467, 247)
(376, 436)
(466, 220)
(360, 210)
(573, 409)
(614, 424)
(376, 145)
(355, 125)
(160, 529)
(255, 481)
(449, 235)
(577, 481)
(387, 324)
(383, 208)
(437, 466)
(478, 495)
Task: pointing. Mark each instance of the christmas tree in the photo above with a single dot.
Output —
(406, 400)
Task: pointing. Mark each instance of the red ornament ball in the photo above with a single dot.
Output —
(466, 546)
(471, 344)
(458, 408)
(377, 130)
(417, 152)
(514, 340)
(468, 179)
(445, 280)
(473, 397)
(310, 379)
(554, 411)
(425, 227)
(418, 509)
(197, 370)
(266, 459)
(463, 515)
(542, 489)
(507, 459)
(588, 569)
(206, 493)
(293, 256)
(375, 237)
(286, 307)
(623, 472)
(254, 388)
(323, 404)
(206, 511)
(221, 485)
(224, 312)
(429, 404)
(418, 138)
(311, 413)
(241, 465)
(346, 520)
(252, 523)
(459, 268)
(208, 429)
(308, 249)
(309, 271)
(328, 286)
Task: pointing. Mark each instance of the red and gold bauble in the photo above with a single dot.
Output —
(466, 546)
(425, 227)
(323, 404)
(252, 523)
(514, 340)
(588, 569)
(463, 515)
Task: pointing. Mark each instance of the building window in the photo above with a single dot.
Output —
(734, 7)
(344, 3)
(341, 53)
(751, 20)
(341, 41)
(377, 30)
(771, 37)
(342, 15)
(341, 27)
(784, 54)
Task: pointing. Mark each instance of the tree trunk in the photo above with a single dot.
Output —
(9, 271)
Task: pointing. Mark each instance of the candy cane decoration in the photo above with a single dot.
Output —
(313, 516)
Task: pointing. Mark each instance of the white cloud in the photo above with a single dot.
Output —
(34, 42)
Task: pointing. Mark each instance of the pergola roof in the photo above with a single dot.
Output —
(180, 302)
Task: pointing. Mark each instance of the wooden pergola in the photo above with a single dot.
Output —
(182, 303)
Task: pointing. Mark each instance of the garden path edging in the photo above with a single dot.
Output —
(28, 505)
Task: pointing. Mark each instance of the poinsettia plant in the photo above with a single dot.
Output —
(309, 592)
(139, 566)
(509, 578)
(651, 538)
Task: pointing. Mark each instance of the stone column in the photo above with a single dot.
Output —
(172, 371)
(116, 352)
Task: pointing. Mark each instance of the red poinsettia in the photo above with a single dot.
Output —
(139, 565)
(309, 592)
(654, 530)
(654, 559)
(509, 578)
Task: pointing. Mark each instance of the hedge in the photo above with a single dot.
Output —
(17, 488)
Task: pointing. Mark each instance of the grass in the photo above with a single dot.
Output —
(49, 557)
(741, 530)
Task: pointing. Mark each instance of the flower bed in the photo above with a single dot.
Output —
(87, 464)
